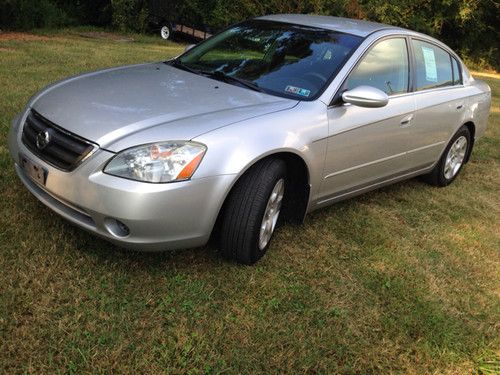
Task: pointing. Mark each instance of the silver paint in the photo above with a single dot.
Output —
(366, 96)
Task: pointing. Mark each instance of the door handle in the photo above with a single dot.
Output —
(406, 121)
(460, 106)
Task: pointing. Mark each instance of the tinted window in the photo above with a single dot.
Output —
(457, 75)
(282, 59)
(384, 67)
(433, 66)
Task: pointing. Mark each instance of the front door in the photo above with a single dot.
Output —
(368, 145)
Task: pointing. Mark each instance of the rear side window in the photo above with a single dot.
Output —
(384, 67)
(457, 75)
(433, 66)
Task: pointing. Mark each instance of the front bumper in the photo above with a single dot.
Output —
(159, 216)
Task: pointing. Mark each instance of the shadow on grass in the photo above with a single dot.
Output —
(363, 231)
(93, 245)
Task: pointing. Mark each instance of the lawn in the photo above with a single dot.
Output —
(401, 280)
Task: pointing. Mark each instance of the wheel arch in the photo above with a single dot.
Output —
(298, 186)
(472, 129)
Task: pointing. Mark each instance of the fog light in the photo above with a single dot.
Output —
(116, 227)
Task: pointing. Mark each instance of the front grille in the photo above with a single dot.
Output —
(63, 149)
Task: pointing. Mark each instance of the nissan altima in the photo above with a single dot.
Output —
(258, 125)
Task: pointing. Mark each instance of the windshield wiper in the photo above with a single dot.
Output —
(217, 74)
(179, 64)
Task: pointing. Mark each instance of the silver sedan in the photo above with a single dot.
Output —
(258, 125)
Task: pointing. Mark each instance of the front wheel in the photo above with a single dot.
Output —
(252, 211)
(452, 160)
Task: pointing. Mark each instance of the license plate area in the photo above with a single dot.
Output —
(36, 172)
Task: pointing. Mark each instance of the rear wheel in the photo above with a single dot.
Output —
(452, 160)
(252, 212)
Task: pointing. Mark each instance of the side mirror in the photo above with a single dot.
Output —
(366, 96)
(188, 47)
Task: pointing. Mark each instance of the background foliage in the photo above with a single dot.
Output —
(468, 26)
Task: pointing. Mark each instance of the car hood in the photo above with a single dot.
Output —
(119, 107)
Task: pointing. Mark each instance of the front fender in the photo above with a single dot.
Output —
(302, 130)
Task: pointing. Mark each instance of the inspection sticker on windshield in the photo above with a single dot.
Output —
(298, 91)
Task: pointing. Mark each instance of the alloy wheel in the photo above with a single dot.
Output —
(455, 157)
(271, 214)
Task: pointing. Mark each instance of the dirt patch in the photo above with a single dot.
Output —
(107, 36)
(25, 37)
(487, 74)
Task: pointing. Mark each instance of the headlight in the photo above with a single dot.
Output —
(158, 162)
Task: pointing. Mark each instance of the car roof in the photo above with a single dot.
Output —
(346, 25)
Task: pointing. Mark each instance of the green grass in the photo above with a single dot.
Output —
(400, 280)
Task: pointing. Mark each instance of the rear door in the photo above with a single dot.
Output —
(439, 99)
(368, 145)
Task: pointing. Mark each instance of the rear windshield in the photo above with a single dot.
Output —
(281, 59)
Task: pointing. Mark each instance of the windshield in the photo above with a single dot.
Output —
(281, 59)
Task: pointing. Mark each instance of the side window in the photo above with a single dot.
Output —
(385, 67)
(457, 74)
(433, 66)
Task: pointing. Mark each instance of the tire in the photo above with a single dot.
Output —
(165, 32)
(442, 175)
(245, 208)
